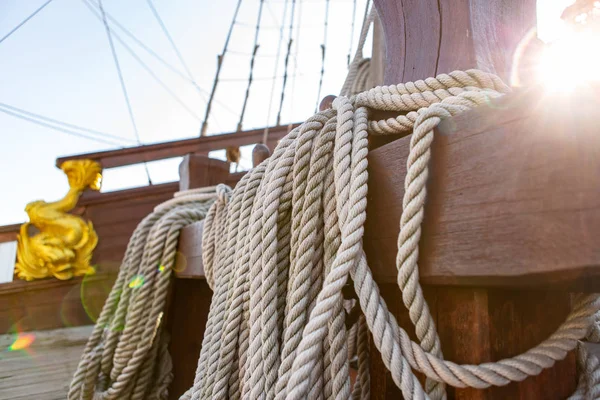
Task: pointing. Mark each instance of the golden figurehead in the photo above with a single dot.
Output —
(54, 242)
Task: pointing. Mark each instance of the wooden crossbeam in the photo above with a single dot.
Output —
(160, 151)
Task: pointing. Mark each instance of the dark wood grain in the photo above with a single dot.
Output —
(159, 151)
(188, 314)
(426, 38)
(511, 204)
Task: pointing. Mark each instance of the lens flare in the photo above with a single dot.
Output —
(136, 282)
(22, 341)
(575, 57)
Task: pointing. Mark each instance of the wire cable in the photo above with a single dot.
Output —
(220, 59)
(323, 51)
(16, 28)
(68, 125)
(286, 63)
(60, 129)
(92, 7)
(352, 30)
(170, 38)
(255, 50)
(281, 29)
(292, 96)
(122, 81)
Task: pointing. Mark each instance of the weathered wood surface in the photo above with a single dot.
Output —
(160, 151)
(52, 303)
(427, 37)
(482, 325)
(513, 197)
(43, 371)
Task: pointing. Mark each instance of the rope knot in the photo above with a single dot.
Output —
(223, 193)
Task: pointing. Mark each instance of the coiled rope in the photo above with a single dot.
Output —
(126, 356)
(280, 248)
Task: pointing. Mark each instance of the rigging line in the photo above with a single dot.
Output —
(262, 78)
(16, 28)
(170, 38)
(286, 63)
(277, 25)
(281, 29)
(258, 19)
(122, 81)
(66, 124)
(145, 47)
(352, 30)
(323, 50)
(145, 67)
(220, 58)
(60, 129)
(300, 2)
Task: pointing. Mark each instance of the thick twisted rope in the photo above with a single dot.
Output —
(291, 235)
(126, 356)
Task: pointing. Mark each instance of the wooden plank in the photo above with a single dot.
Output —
(159, 151)
(44, 369)
(512, 204)
(51, 303)
(92, 198)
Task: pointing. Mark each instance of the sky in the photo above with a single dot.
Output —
(59, 65)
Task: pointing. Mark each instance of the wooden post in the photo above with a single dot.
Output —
(190, 298)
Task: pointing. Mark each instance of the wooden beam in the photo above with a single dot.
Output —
(159, 151)
(513, 196)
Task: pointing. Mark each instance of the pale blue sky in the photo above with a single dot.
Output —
(59, 65)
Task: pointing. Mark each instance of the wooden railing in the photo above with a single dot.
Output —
(200, 145)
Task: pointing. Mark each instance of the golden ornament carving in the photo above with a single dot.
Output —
(54, 242)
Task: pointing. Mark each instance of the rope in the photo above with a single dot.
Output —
(358, 77)
(291, 240)
(126, 356)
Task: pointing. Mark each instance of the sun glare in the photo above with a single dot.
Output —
(571, 59)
